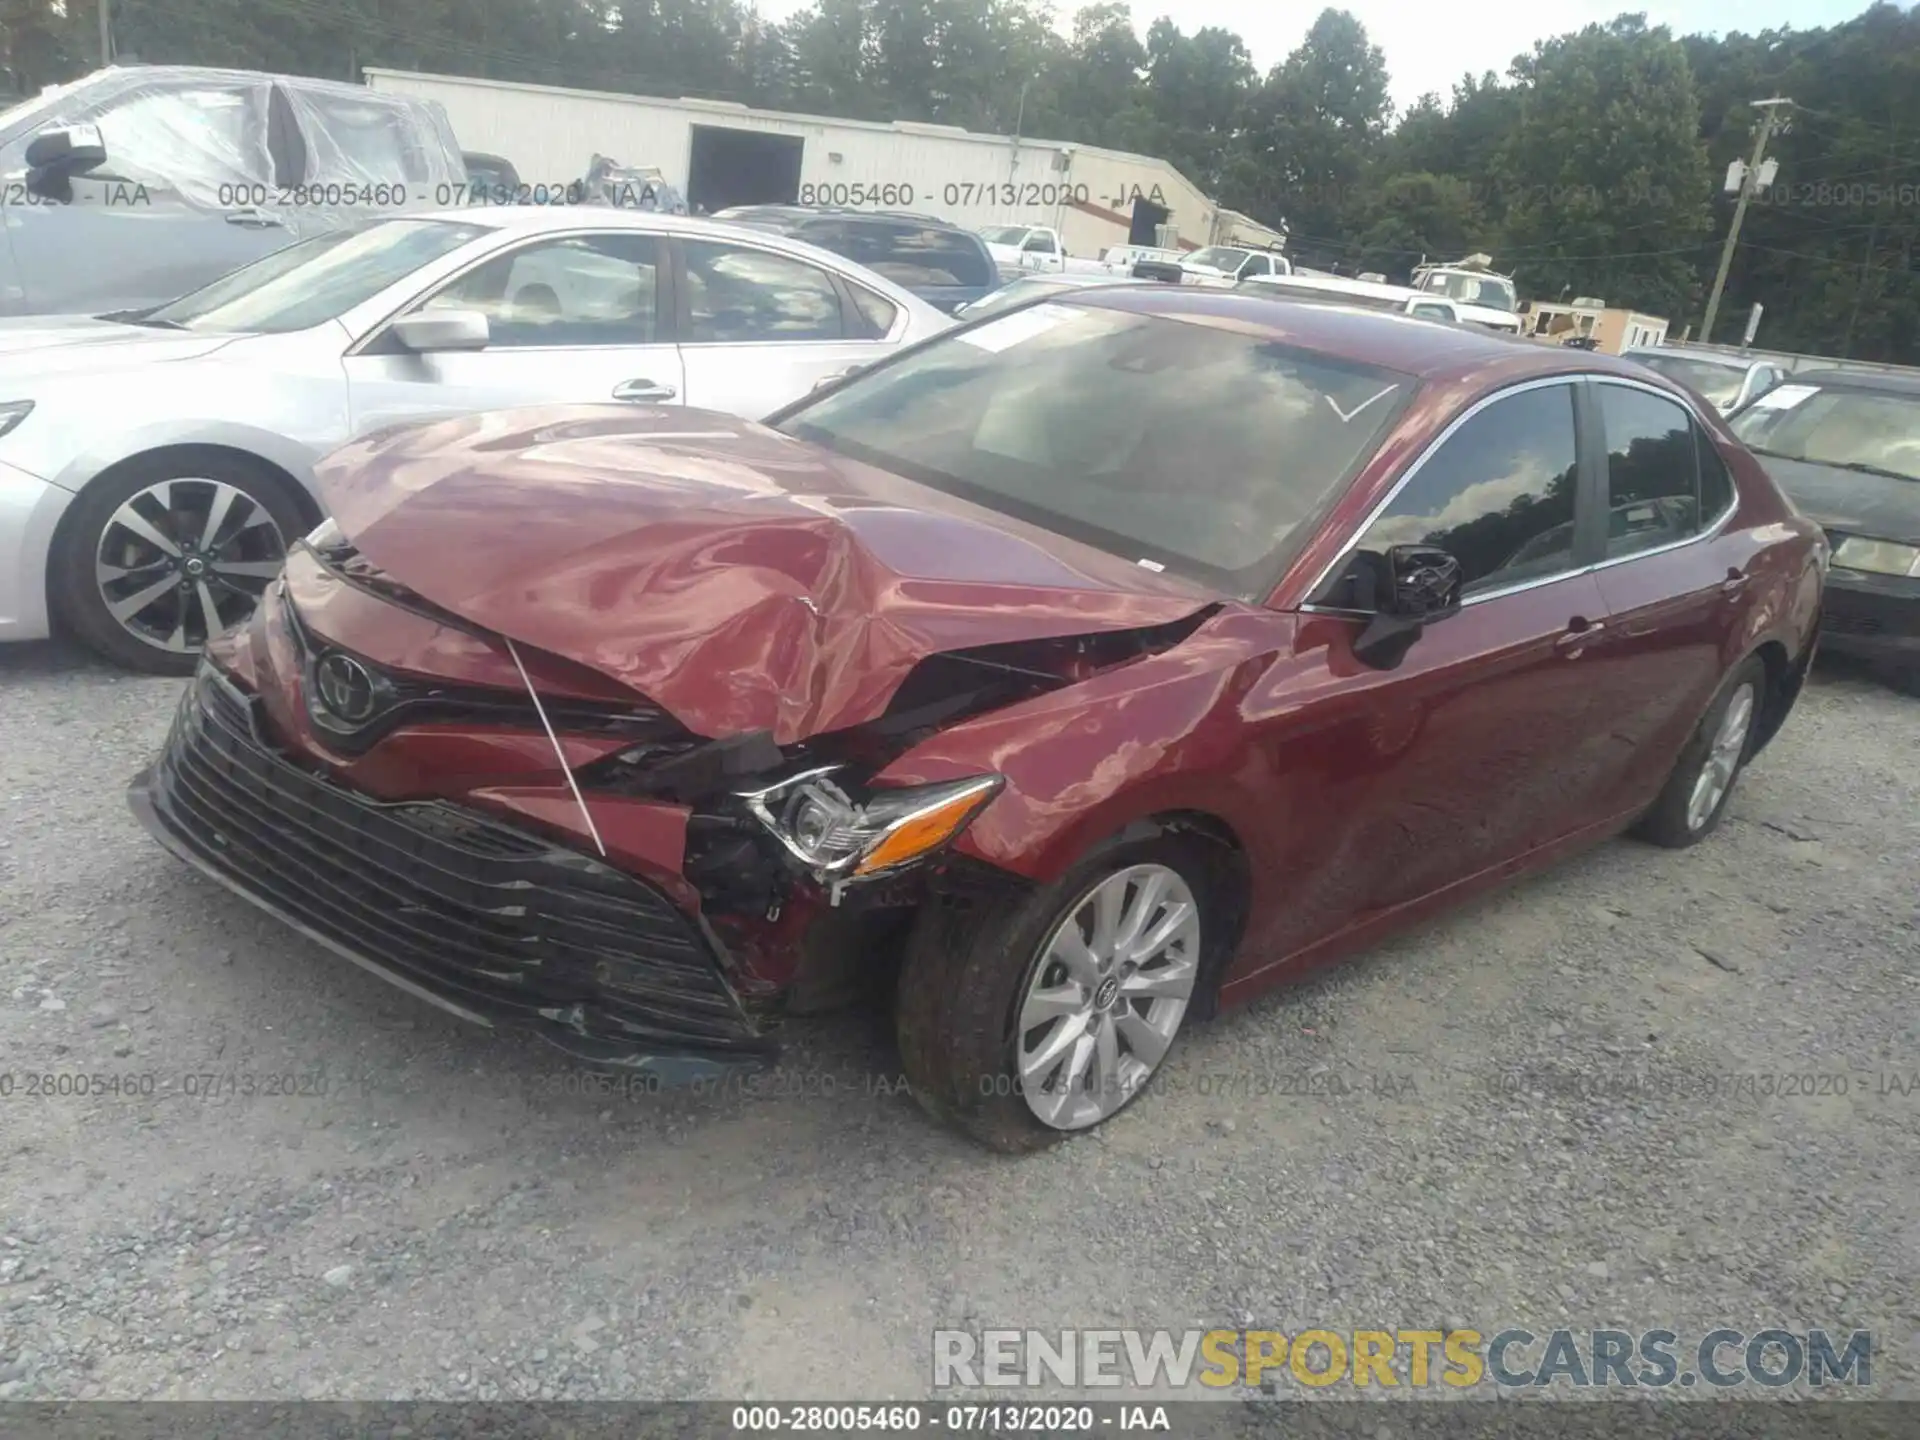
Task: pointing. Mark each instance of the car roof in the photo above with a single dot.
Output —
(1405, 343)
(837, 212)
(1886, 384)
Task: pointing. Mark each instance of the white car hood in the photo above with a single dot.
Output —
(35, 346)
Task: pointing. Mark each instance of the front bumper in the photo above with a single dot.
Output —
(491, 923)
(1873, 617)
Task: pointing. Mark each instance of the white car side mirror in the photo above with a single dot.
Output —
(431, 331)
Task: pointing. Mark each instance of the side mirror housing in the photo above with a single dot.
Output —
(433, 331)
(1407, 589)
(67, 149)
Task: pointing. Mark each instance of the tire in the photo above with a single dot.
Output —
(116, 522)
(1674, 821)
(967, 975)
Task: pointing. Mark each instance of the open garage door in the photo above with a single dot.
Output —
(1147, 220)
(742, 167)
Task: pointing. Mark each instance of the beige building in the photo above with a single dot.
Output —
(1610, 328)
(719, 153)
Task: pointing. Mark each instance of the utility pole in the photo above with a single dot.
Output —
(1749, 182)
(106, 33)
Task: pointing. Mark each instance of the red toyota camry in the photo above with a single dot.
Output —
(1118, 656)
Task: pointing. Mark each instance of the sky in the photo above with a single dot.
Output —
(1430, 45)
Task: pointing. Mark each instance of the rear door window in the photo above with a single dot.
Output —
(738, 294)
(1653, 471)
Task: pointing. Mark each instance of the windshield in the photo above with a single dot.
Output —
(1871, 429)
(1183, 444)
(1219, 257)
(17, 118)
(1489, 290)
(1719, 383)
(315, 280)
(1004, 234)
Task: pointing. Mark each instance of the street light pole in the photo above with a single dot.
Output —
(1769, 111)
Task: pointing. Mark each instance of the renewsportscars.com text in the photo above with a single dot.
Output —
(1412, 1357)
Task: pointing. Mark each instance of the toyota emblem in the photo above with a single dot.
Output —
(346, 687)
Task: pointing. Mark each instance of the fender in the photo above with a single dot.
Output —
(289, 455)
(1069, 787)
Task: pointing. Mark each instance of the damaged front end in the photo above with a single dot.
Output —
(612, 770)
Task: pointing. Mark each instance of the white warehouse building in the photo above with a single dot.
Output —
(720, 153)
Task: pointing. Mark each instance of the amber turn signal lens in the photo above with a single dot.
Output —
(926, 830)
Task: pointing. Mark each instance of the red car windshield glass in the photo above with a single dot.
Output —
(1195, 448)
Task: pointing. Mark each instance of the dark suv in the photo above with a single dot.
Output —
(939, 262)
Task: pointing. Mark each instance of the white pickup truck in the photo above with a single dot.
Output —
(1035, 248)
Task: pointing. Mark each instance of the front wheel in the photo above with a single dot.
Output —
(163, 553)
(1023, 1026)
(1696, 794)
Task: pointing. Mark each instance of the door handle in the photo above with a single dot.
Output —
(1735, 582)
(643, 390)
(253, 220)
(1580, 633)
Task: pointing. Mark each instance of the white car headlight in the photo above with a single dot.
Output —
(326, 533)
(12, 414)
(1881, 557)
(839, 838)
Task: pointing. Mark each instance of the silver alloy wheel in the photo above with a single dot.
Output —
(184, 559)
(1722, 759)
(1107, 996)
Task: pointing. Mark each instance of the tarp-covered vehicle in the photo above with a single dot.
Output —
(139, 184)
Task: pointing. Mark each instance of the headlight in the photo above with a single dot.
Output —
(325, 534)
(839, 838)
(11, 415)
(1882, 557)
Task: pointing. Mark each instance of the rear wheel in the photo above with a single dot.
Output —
(1023, 1026)
(164, 553)
(1696, 795)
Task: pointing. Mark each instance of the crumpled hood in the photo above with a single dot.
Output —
(1850, 501)
(741, 579)
(32, 346)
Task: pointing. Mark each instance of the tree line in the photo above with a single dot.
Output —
(1592, 166)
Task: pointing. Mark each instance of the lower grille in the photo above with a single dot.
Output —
(1849, 612)
(487, 916)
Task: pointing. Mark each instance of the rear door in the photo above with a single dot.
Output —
(760, 328)
(1674, 574)
(574, 319)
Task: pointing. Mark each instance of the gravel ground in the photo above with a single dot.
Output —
(448, 1221)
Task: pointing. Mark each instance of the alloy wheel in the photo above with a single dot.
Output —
(1722, 759)
(1107, 996)
(184, 559)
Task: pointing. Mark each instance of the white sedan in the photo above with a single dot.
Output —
(154, 464)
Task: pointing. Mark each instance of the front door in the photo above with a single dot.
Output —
(1488, 739)
(573, 319)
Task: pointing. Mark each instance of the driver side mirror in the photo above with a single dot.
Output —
(57, 154)
(431, 331)
(1407, 589)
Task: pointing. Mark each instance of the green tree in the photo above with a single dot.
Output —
(1604, 175)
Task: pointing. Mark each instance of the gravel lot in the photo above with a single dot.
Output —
(447, 1221)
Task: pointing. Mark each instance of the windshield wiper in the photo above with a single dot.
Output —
(1859, 467)
(1863, 468)
(140, 317)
